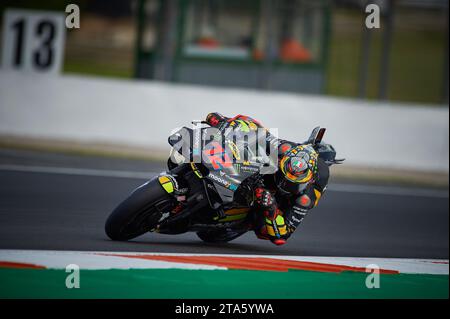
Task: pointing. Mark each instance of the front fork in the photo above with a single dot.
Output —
(183, 205)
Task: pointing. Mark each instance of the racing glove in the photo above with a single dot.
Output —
(264, 198)
(274, 227)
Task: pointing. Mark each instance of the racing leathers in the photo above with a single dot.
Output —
(280, 212)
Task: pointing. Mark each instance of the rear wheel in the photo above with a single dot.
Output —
(139, 213)
(219, 236)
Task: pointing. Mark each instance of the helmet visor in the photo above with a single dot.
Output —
(297, 170)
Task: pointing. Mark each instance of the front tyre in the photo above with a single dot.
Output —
(139, 213)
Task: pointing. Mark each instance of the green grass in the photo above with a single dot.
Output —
(417, 66)
(97, 69)
(177, 283)
(416, 62)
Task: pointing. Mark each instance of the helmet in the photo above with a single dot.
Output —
(214, 119)
(297, 170)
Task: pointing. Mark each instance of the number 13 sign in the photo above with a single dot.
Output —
(33, 41)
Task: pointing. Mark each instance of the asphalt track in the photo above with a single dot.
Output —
(60, 202)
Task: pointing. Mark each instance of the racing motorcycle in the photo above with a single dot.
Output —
(212, 195)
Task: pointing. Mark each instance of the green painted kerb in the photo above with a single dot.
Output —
(176, 283)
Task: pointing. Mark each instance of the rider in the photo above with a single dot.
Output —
(286, 196)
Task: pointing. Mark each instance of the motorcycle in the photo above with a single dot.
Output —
(212, 195)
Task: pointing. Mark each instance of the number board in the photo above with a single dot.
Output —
(33, 41)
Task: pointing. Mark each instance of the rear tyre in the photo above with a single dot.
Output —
(219, 236)
(139, 213)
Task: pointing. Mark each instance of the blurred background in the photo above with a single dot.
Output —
(134, 70)
(288, 45)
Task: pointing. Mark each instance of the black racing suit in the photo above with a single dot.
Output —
(293, 206)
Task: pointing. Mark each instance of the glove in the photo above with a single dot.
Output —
(266, 201)
(264, 198)
(274, 227)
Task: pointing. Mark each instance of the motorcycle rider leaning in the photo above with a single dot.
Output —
(287, 196)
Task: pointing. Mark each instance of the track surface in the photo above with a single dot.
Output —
(48, 209)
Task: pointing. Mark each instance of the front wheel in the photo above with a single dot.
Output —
(139, 213)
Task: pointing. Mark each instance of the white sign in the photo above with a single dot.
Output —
(33, 41)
